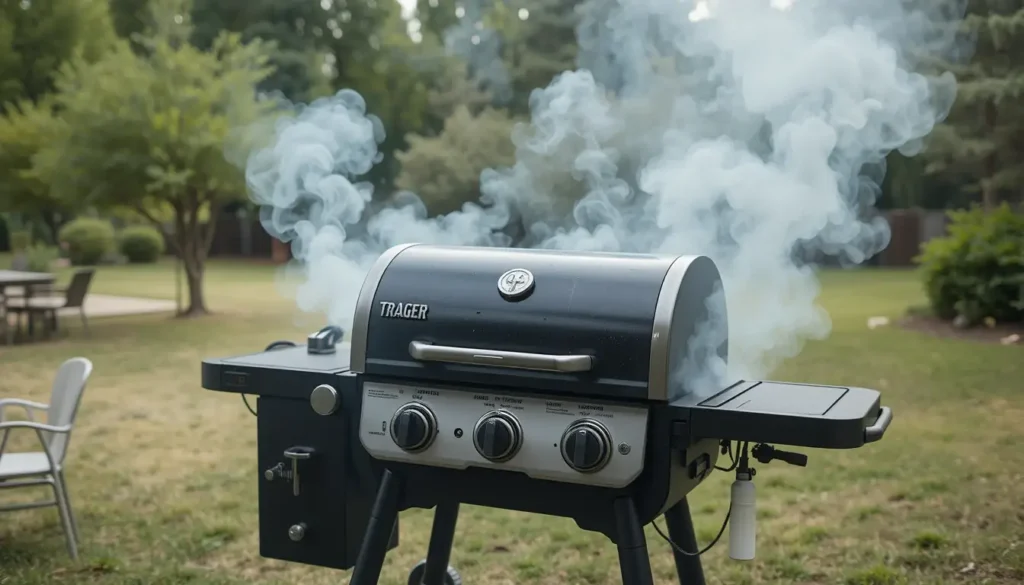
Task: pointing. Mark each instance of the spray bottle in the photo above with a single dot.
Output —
(742, 524)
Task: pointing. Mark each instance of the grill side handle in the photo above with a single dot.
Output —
(877, 430)
(540, 362)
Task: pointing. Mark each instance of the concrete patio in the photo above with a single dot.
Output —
(97, 306)
(115, 306)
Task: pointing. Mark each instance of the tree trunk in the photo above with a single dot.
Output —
(192, 243)
(196, 297)
(51, 219)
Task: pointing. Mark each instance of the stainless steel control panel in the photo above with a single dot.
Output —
(566, 440)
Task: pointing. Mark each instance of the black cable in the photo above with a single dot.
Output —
(280, 344)
(246, 401)
(732, 459)
(680, 550)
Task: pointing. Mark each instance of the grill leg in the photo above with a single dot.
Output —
(440, 548)
(680, 530)
(378, 531)
(634, 563)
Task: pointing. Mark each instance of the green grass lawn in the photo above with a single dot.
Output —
(164, 479)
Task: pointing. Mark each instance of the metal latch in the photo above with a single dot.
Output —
(296, 454)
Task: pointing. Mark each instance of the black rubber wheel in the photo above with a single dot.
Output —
(452, 576)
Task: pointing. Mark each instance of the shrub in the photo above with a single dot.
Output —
(141, 244)
(87, 240)
(20, 240)
(977, 270)
(40, 257)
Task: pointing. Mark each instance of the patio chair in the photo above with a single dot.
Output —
(47, 304)
(46, 467)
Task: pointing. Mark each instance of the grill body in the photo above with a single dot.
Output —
(540, 381)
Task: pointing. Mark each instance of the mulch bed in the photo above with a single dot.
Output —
(981, 333)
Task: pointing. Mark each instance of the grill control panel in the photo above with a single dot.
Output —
(566, 440)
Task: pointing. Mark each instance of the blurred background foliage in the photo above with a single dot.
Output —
(131, 108)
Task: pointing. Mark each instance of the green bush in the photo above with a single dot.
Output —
(141, 244)
(87, 240)
(977, 270)
(20, 240)
(40, 257)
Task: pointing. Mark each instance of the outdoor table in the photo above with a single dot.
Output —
(26, 280)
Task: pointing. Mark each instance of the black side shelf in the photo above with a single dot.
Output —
(804, 415)
(289, 372)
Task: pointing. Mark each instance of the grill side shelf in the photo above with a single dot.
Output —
(784, 413)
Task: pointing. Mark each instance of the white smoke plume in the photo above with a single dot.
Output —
(738, 129)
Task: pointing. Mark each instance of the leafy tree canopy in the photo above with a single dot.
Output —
(983, 138)
(26, 129)
(37, 36)
(148, 132)
(444, 170)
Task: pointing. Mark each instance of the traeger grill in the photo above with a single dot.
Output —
(531, 380)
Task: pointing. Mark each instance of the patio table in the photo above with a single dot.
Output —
(26, 280)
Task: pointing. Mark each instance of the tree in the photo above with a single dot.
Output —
(322, 46)
(25, 131)
(435, 17)
(315, 41)
(454, 88)
(130, 17)
(544, 45)
(396, 82)
(983, 138)
(311, 37)
(444, 170)
(147, 131)
(906, 185)
(37, 37)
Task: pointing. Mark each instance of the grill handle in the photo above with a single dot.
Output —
(876, 430)
(429, 352)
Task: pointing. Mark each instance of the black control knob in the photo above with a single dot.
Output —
(497, 436)
(413, 427)
(586, 446)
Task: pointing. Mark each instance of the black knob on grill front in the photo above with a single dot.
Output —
(586, 446)
(497, 436)
(413, 427)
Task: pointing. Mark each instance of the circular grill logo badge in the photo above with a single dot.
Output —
(515, 284)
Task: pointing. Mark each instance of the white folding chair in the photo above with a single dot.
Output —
(46, 467)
